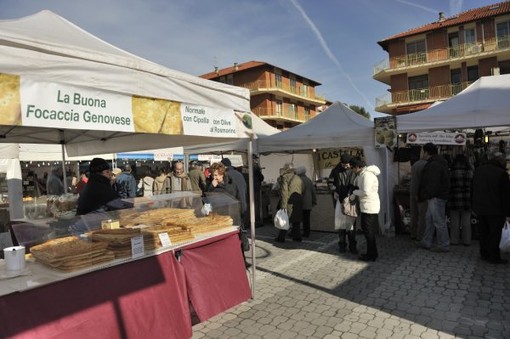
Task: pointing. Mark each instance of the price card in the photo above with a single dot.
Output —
(165, 239)
(137, 246)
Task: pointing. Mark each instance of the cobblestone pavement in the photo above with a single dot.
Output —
(309, 290)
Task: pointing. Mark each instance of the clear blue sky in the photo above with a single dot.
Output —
(333, 42)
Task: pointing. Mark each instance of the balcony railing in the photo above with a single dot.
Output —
(301, 91)
(460, 51)
(285, 114)
(422, 94)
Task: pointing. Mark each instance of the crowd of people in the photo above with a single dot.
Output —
(438, 191)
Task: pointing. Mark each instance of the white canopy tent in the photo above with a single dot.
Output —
(55, 51)
(485, 103)
(61, 85)
(338, 126)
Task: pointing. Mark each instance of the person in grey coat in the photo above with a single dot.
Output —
(291, 200)
(309, 199)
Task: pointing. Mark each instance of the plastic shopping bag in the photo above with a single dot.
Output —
(281, 220)
(504, 244)
(342, 221)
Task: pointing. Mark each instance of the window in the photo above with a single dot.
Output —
(472, 74)
(307, 113)
(278, 107)
(416, 52)
(453, 43)
(230, 79)
(222, 79)
(292, 111)
(418, 88)
(278, 80)
(469, 36)
(503, 34)
(470, 45)
(304, 90)
(455, 76)
(293, 85)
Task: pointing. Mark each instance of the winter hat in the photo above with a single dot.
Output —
(345, 158)
(226, 162)
(300, 170)
(98, 165)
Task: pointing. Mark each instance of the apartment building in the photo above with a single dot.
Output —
(440, 59)
(282, 98)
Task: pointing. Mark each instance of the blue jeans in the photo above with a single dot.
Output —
(435, 220)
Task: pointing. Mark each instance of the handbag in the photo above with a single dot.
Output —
(504, 244)
(349, 207)
(281, 220)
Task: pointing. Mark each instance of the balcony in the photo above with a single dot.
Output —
(389, 101)
(442, 56)
(299, 93)
(285, 114)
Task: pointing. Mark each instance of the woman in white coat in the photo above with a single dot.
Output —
(369, 203)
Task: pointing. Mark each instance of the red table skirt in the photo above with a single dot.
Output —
(144, 298)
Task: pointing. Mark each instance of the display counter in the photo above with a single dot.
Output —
(145, 297)
(144, 291)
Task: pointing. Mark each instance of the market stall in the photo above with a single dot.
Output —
(336, 127)
(73, 89)
(146, 296)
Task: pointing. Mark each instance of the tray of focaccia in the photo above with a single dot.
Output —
(71, 253)
(118, 240)
(181, 224)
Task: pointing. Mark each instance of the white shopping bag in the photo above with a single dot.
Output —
(504, 244)
(281, 220)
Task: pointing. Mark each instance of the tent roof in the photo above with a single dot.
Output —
(485, 103)
(47, 48)
(337, 126)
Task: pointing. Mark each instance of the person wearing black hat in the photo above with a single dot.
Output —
(98, 191)
(342, 180)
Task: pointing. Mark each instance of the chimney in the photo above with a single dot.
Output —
(441, 17)
(216, 69)
(235, 66)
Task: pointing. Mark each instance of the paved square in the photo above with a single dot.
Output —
(309, 290)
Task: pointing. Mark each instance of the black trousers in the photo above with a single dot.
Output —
(370, 227)
(306, 222)
(489, 228)
(295, 232)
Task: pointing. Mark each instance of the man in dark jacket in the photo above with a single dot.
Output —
(98, 191)
(491, 203)
(342, 179)
(435, 189)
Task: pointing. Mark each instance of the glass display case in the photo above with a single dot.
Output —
(181, 217)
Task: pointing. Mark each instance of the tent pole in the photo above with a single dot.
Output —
(64, 167)
(252, 214)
